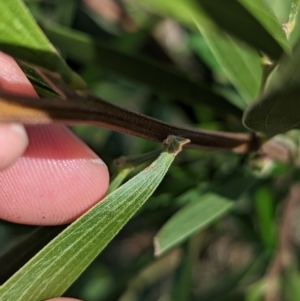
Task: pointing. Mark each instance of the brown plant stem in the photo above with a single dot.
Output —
(93, 110)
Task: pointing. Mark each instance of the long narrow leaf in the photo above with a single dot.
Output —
(57, 266)
(11, 261)
(251, 21)
(240, 63)
(190, 219)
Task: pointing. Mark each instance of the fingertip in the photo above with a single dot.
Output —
(13, 141)
(56, 180)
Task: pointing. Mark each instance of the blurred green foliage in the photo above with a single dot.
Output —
(231, 256)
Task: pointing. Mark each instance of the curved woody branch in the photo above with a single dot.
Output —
(93, 110)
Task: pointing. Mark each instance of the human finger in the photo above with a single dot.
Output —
(58, 177)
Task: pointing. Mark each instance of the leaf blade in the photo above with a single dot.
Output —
(240, 63)
(52, 270)
(190, 219)
(251, 21)
(276, 111)
(22, 38)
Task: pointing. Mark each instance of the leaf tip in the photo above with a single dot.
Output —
(173, 144)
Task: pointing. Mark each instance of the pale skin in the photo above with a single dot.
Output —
(47, 175)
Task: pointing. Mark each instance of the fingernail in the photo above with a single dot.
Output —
(20, 130)
(13, 142)
(98, 161)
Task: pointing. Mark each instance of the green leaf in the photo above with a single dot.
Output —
(182, 283)
(22, 38)
(119, 178)
(182, 11)
(251, 21)
(58, 265)
(240, 63)
(291, 282)
(264, 205)
(23, 251)
(277, 110)
(201, 48)
(66, 10)
(39, 84)
(190, 219)
(127, 165)
(280, 8)
(293, 24)
(256, 291)
(159, 77)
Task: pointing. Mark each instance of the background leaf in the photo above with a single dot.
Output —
(276, 111)
(22, 38)
(265, 217)
(39, 84)
(251, 21)
(189, 220)
(281, 9)
(292, 25)
(240, 63)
